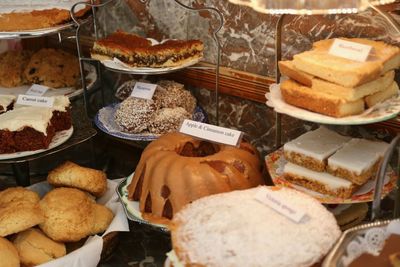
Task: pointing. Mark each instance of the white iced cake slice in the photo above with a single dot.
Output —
(321, 182)
(312, 149)
(358, 160)
(6, 103)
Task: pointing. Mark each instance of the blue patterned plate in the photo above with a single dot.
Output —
(105, 121)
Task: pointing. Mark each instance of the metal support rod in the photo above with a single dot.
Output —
(396, 212)
(278, 56)
(380, 178)
(218, 44)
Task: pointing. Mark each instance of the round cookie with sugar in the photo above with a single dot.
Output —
(70, 174)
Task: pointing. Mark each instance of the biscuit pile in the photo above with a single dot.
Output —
(50, 67)
(33, 230)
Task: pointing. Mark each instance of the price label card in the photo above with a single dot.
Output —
(36, 101)
(37, 90)
(144, 90)
(350, 50)
(273, 200)
(211, 133)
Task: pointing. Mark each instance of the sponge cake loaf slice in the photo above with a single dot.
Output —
(304, 97)
(345, 72)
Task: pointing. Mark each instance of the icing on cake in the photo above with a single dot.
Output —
(34, 117)
(358, 155)
(61, 103)
(318, 144)
(321, 177)
(235, 229)
(10, 6)
(6, 100)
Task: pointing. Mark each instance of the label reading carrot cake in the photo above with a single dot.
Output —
(272, 199)
(36, 101)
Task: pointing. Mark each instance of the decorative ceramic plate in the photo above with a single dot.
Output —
(35, 33)
(105, 121)
(59, 139)
(71, 92)
(132, 207)
(276, 161)
(380, 112)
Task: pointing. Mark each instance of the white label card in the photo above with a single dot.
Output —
(350, 50)
(37, 90)
(144, 90)
(36, 101)
(211, 133)
(279, 204)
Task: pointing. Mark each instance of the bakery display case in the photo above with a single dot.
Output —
(181, 195)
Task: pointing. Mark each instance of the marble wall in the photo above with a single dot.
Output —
(247, 43)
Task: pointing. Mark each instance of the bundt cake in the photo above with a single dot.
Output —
(177, 169)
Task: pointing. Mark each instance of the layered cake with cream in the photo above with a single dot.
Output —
(313, 148)
(358, 160)
(31, 128)
(321, 182)
(26, 128)
(329, 163)
(19, 15)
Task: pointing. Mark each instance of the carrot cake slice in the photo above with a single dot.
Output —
(358, 160)
(321, 182)
(26, 128)
(312, 149)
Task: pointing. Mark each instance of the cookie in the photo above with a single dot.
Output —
(53, 68)
(12, 65)
(14, 194)
(18, 216)
(72, 175)
(69, 214)
(103, 218)
(8, 254)
(35, 248)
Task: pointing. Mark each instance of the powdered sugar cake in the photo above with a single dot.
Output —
(20, 15)
(235, 229)
(312, 149)
(358, 160)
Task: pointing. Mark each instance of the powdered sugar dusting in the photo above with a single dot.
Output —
(234, 229)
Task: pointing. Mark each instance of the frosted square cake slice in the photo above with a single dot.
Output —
(321, 182)
(358, 160)
(312, 149)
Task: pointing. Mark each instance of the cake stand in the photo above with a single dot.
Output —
(284, 7)
(83, 129)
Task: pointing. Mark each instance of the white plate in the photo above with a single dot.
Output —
(59, 139)
(380, 112)
(35, 33)
(132, 207)
(121, 67)
(91, 77)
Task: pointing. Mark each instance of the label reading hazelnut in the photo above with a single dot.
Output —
(350, 50)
